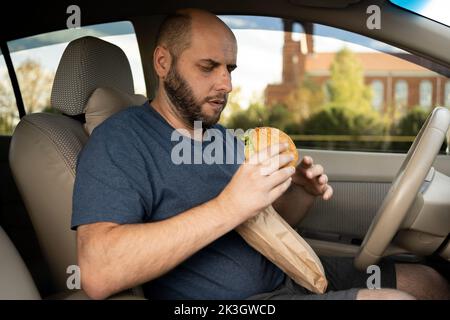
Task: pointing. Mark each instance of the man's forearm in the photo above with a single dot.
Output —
(118, 257)
(294, 204)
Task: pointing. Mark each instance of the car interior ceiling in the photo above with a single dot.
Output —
(146, 17)
(304, 10)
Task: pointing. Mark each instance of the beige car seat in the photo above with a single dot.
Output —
(16, 282)
(44, 147)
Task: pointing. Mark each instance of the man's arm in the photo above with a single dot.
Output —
(294, 204)
(309, 182)
(115, 257)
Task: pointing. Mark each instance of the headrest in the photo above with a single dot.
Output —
(86, 64)
(104, 102)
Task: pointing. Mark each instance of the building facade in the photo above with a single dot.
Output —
(394, 80)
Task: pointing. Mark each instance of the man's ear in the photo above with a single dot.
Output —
(161, 61)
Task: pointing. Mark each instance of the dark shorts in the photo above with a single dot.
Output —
(344, 282)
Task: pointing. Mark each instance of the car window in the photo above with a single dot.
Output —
(329, 88)
(36, 59)
(9, 114)
(436, 10)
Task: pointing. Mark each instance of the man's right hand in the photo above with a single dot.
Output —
(258, 182)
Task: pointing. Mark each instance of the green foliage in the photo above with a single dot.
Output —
(411, 123)
(348, 112)
(6, 127)
(346, 85)
(51, 110)
(257, 115)
(278, 117)
(338, 120)
(306, 99)
(253, 116)
(233, 106)
(35, 83)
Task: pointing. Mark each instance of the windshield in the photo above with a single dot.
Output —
(437, 10)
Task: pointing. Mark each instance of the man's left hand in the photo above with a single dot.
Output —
(312, 179)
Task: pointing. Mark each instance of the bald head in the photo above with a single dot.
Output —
(194, 57)
(178, 30)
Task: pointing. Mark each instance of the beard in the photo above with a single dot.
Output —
(189, 108)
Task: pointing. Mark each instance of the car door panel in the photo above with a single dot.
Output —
(360, 181)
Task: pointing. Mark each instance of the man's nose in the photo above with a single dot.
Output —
(224, 81)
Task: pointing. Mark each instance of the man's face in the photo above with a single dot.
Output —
(199, 81)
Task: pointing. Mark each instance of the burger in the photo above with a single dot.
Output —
(258, 139)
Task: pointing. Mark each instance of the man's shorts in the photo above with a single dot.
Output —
(344, 282)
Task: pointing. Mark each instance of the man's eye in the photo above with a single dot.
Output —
(206, 69)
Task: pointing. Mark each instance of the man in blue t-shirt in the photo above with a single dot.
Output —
(147, 212)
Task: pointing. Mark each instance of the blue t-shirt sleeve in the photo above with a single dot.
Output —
(111, 183)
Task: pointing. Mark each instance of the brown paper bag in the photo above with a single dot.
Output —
(274, 238)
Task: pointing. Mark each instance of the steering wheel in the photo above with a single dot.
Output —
(404, 188)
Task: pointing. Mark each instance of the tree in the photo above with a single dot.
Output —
(306, 99)
(35, 86)
(233, 106)
(338, 120)
(258, 115)
(346, 85)
(254, 116)
(8, 109)
(349, 111)
(6, 124)
(280, 117)
(409, 125)
(411, 122)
